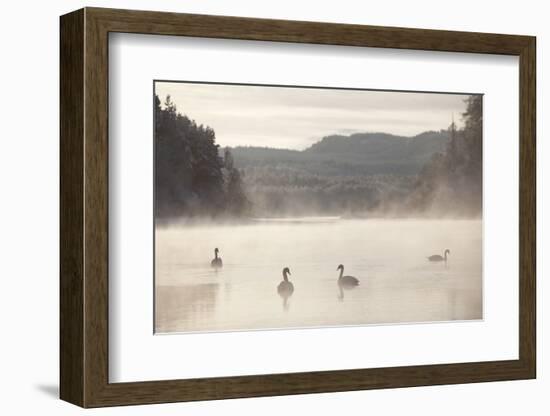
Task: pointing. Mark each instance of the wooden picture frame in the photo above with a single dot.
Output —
(84, 207)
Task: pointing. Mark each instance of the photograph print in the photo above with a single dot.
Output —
(280, 207)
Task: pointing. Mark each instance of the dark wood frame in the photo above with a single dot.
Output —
(84, 207)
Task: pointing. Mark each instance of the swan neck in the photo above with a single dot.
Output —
(285, 277)
(341, 272)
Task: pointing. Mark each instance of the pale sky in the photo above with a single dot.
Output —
(295, 118)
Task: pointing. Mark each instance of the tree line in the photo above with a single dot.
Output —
(195, 178)
(192, 179)
(447, 183)
(452, 181)
(286, 191)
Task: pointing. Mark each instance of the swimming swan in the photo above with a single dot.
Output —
(285, 288)
(346, 281)
(217, 261)
(437, 257)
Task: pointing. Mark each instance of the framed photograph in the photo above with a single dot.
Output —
(255, 207)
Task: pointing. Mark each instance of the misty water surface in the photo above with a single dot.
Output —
(397, 283)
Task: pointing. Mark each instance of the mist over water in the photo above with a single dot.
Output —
(389, 257)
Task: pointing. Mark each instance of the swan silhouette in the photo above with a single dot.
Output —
(216, 261)
(285, 288)
(346, 282)
(437, 257)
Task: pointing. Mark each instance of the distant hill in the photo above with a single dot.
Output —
(357, 154)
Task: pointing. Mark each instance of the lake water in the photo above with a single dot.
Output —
(389, 257)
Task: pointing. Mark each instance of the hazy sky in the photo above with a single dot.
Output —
(295, 118)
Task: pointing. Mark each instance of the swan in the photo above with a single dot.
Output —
(217, 261)
(437, 257)
(285, 288)
(346, 281)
